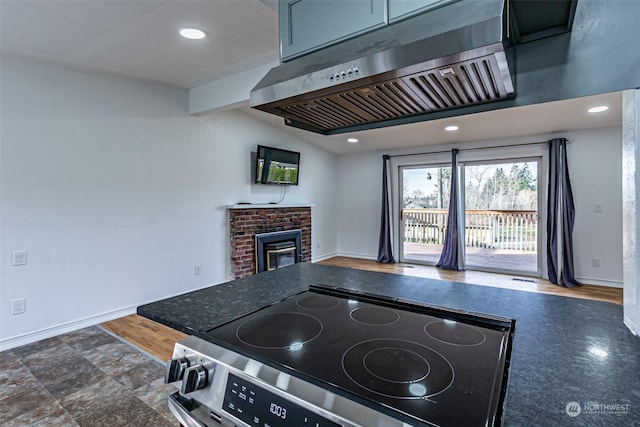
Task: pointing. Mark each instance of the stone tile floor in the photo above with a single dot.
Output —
(83, 378)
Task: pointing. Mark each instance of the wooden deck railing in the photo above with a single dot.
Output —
(496, 229)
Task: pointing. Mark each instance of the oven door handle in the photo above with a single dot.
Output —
(181, 413)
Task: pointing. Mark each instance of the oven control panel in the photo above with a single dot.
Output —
(256, 406)
(218, 386)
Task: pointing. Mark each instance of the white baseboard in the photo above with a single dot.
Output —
(631, 325)
(323, 257)
(357, 255)
(52, 331)
(600, 282)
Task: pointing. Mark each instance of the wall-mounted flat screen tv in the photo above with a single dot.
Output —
(277, 166)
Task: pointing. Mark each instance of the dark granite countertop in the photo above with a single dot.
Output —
(565, 349)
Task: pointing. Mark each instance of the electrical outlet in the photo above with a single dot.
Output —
(595, 262)
(19, 258)
(18, 306)
(197, 270)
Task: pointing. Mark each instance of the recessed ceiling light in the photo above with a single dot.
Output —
(352, 140)
(192, 33)
(598, 109)
(451, 128)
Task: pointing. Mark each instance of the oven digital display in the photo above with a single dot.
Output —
(258, 407)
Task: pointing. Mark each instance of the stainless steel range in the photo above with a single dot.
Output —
(329, 357)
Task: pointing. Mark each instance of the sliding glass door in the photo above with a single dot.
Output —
(425, 202)
(500, 214)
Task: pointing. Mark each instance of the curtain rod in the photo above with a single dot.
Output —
(474, 149)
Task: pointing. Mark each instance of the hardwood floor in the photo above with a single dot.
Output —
(152, 337)
(158, 340)
(506, 281)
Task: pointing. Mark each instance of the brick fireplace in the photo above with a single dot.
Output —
(247, 221)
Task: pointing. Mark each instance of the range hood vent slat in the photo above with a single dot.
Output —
(466, 95)
(340, 114)
(382, 104)
(368, 105)
(454, 93)
(402, 98)
(487, 80)
(311, 117)
(471, 83)
(346, 110)
(328, 109)
(404, 95)
(431, 92)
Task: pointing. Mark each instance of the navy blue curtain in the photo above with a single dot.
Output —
(560, 217)
(451, 258)
(385, 250)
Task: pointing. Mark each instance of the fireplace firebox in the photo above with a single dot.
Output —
(278, 249)
(280, 254)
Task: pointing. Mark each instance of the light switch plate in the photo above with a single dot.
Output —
(18, 306)
(19, 258)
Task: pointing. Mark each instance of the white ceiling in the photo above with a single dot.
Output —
(140, 39)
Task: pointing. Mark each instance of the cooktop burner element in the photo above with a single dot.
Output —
(402, 359)
(452, 332)
(279, 330)
(318, 302)
(397, 368)
(374, 315)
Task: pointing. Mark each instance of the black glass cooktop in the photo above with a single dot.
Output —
(415, 362)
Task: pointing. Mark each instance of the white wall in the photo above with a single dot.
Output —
(595, 165)
(359, 199)
(117, 193)
(594, 157)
